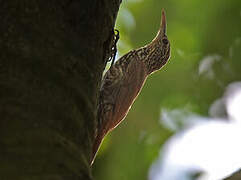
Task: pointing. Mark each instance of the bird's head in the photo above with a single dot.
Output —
(159, 48)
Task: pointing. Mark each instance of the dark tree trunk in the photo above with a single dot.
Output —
(52, 54)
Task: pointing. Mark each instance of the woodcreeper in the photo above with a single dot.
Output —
(123, 81)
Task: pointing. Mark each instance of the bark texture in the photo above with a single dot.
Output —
(52, 54)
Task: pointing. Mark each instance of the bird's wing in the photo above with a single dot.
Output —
(124, 91)
(120, 87)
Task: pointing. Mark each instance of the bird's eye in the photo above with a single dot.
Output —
(165, 41)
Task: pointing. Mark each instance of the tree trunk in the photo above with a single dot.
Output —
(52, 54)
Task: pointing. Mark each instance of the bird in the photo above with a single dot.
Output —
(123, 81)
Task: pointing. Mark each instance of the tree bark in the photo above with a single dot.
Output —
(52, 55)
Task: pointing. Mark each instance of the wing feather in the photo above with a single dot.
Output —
(128, 90)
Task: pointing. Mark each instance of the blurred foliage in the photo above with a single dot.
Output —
(197, 30)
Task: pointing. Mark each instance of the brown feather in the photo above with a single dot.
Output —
(124, 80)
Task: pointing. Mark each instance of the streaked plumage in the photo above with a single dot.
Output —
(123, 81)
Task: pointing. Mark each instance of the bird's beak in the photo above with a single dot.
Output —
(162, 31)
(163, 23)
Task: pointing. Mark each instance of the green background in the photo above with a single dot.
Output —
(197, 30)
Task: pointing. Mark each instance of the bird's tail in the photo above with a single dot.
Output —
(96, 147)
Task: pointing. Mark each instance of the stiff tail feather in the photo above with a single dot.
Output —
(96, 146)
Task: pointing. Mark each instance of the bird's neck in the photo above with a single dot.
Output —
(151, 54)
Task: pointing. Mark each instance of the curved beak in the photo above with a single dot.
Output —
(163, 28)
(163, 23)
